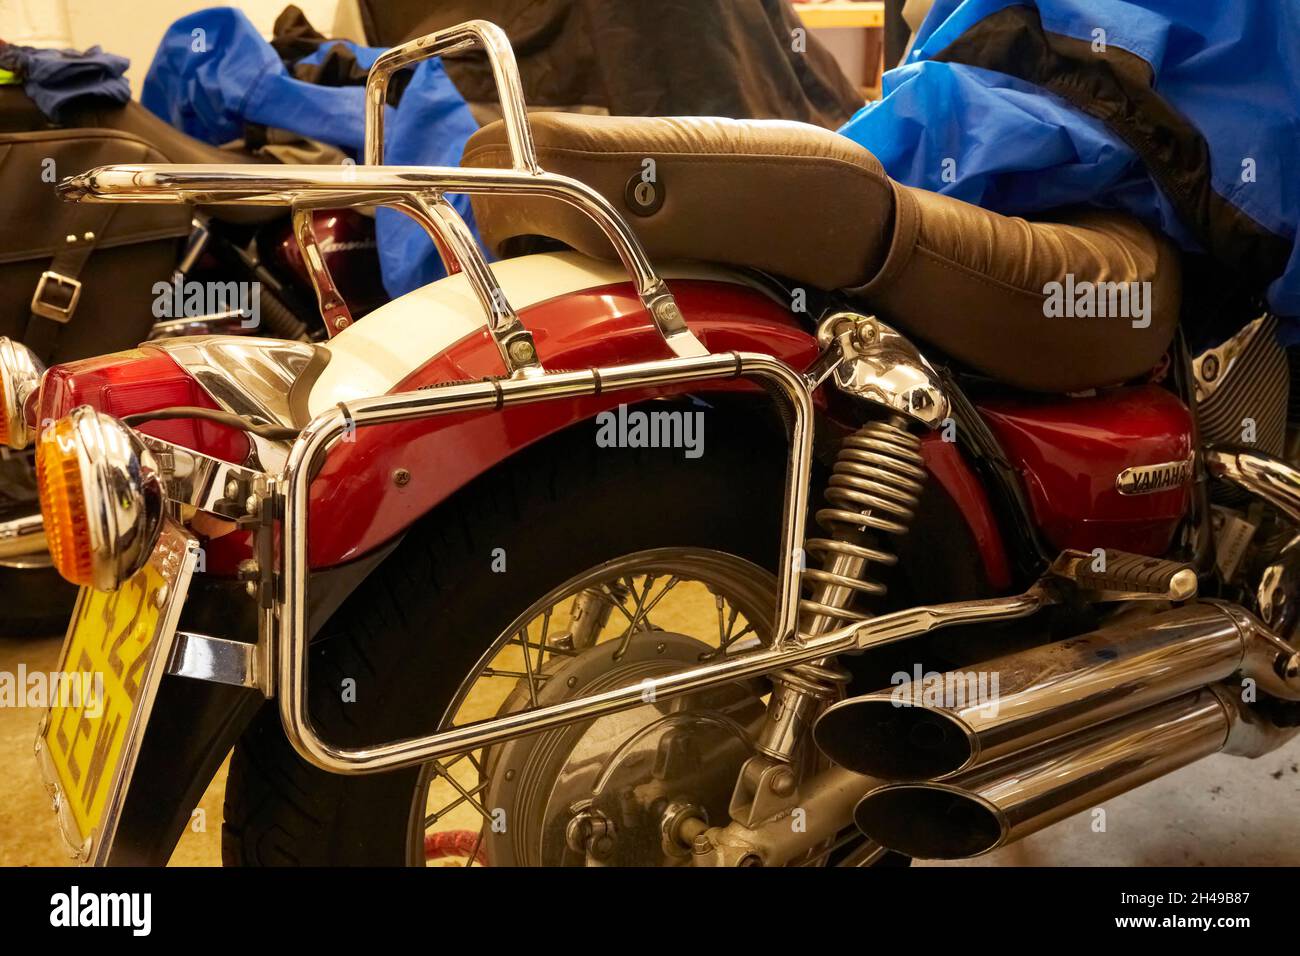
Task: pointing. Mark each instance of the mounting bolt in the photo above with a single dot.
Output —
(521, 352)
(783, 782)
(249, 572)
(401, 477)
(864, 333)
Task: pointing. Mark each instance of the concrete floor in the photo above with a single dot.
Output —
(1224, 811)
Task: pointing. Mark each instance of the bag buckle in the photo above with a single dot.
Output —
(51, 309)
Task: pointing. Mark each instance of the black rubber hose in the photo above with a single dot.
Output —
(269, 432)
(277, 317)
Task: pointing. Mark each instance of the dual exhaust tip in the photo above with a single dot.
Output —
(1070, 725)
(1002, 802)
(882, 737)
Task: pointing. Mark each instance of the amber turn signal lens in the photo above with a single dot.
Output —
(102, 498)
(63, 502)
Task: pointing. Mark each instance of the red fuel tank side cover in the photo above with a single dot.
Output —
(1070, 453)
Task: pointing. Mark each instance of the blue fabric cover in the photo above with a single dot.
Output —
(213, 73)
(57, 79)
(1231, 68)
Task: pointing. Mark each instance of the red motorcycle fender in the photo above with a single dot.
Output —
(374, 487)
(947, 466)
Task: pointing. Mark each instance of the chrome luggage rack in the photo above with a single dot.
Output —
(279, 664)
(417, 191)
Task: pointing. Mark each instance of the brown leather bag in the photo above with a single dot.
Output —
(76, 279)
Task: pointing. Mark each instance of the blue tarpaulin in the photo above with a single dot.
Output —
(58, 79)
(1186, 114)
(214, 72)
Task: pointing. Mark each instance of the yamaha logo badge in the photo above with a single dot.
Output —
(1148, 479)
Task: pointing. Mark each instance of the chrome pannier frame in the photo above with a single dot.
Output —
(281, 665)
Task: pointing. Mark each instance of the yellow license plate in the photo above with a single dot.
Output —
(113, 658)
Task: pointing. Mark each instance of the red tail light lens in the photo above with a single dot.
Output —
(141, 380)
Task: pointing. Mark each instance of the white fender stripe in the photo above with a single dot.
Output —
(375, 353)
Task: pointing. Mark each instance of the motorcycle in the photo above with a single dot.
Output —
(226, 249)
(448, 603)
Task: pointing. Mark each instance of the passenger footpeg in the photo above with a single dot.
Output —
(1111, 575)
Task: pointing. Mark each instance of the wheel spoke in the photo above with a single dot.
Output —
(513, 675)
(638, 595)
(641, 613)
(626, 638)
(541, 641)
(466, 796)
(645, 615)
(747, 629)
(617, 599)
(478, 845)
(528, 667)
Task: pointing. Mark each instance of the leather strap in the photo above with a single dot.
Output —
(58, 292)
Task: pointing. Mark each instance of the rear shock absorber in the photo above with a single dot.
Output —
(873, 492)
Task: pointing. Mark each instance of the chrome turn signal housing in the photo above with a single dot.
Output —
(20, 377)
(101, 497)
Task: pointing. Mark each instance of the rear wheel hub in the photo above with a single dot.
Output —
(618, 790)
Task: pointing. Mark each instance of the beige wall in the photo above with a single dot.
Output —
(847, 46)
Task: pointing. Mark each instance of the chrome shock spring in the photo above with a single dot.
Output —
(874, 489)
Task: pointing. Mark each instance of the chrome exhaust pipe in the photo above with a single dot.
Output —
(1050, 691)
(1002, 802)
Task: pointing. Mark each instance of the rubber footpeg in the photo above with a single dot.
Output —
(1135, 573)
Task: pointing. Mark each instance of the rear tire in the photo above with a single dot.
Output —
(36, 601)
(416, 627)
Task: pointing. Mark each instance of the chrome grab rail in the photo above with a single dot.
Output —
(418, 192)
(505, 72)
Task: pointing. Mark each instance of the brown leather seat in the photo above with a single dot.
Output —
(812, 206)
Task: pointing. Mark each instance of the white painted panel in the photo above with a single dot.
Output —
(370, 357)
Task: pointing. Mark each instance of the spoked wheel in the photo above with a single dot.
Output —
(534, 801)
(571, 570)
